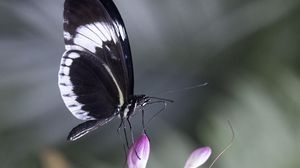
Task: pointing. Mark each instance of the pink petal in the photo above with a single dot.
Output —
(139, 152)
(198, 157)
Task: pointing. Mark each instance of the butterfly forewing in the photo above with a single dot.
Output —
(114, 13)
(96, 75)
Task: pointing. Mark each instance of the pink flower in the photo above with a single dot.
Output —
(198, 157)
(139, 152)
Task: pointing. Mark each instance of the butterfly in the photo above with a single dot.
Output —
(96, 78)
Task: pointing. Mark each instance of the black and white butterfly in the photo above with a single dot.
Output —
(96, 73)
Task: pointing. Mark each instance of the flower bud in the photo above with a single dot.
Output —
(198, 157)
(139, 152)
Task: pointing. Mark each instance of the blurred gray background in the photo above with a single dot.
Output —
(247, 50)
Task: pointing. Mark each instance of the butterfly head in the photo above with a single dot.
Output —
(138, 102)
(142, 100)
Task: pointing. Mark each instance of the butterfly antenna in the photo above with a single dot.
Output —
(182, 89)
(227, 146)
(162, 99)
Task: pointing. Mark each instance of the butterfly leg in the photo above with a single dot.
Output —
(130, 129)
(119, 134)
(143, 120)
(132, 137)
(125, 133)
(158, 112)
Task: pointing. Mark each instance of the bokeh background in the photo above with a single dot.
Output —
(246, 50)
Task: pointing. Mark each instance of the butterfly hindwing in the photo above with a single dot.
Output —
(86, 88)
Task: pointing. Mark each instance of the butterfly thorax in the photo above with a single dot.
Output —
(129, 108)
